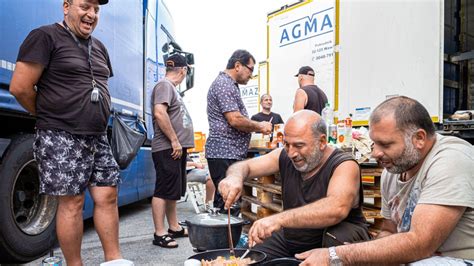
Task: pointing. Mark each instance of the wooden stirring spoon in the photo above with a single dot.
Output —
(229, 231)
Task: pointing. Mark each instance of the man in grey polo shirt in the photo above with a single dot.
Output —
(229, 125)
(173, 136)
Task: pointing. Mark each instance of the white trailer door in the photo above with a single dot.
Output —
(390, 48)
(301, 35)
(362, 52)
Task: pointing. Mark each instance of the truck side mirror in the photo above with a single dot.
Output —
(190, 78)
(165, 48)
(190, 58)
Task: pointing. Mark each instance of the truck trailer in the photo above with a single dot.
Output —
(139, 35)
(364, 52)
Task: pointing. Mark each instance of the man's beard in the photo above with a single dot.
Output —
(311, 162)
(408, 159)
(242, 80)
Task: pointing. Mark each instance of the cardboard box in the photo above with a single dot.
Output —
(199, 142)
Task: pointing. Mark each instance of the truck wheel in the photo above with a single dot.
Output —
(27, 219)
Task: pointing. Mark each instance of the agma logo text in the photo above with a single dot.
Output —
(317, 24)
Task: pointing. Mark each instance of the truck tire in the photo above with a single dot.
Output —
(27, 219)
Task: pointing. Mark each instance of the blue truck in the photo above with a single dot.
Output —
(138, 34)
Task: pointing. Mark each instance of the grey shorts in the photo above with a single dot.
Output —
(69, 163)
(197, 175)
(438, 260)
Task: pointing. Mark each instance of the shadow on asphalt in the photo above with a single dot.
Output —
(135, 236)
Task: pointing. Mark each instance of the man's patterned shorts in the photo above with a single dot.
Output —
(69, 163)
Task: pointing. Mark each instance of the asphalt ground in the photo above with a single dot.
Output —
(135, 236)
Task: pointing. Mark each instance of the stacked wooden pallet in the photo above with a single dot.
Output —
(372, 198)
(265, 194)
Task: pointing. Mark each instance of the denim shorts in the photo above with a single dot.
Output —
(69, 163)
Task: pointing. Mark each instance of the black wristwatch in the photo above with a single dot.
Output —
(334, 260)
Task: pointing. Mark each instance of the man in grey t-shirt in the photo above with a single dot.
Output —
(427, 193)
(173, 136)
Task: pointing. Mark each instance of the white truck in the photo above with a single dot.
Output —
(362, 52)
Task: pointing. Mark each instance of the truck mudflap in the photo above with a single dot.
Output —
(27, 219)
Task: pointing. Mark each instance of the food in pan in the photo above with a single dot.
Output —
(222, 261)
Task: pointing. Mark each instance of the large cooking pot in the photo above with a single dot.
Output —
(255, 255)
(209, 230)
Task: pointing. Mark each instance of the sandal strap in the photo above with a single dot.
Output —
(164, 239)
(177, 233)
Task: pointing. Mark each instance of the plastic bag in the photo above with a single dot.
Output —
(128, 135)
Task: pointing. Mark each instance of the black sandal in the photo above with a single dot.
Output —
(164, 241)
(176, 234)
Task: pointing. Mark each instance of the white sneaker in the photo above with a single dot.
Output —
(119, 262)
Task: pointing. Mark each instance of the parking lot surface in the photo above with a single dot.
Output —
(136, 235)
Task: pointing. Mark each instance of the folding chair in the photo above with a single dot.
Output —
(196, 192)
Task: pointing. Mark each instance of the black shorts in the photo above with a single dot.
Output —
(69, 163)
(218, 169)
(170, 175)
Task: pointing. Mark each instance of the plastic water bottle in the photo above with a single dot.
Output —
(243, 241)
(52, 260)
(327, 114)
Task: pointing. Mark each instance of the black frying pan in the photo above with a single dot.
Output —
(255, 255)
(283, 262)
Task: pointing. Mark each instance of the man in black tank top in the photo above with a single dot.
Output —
(308, 96)
(321, 192)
